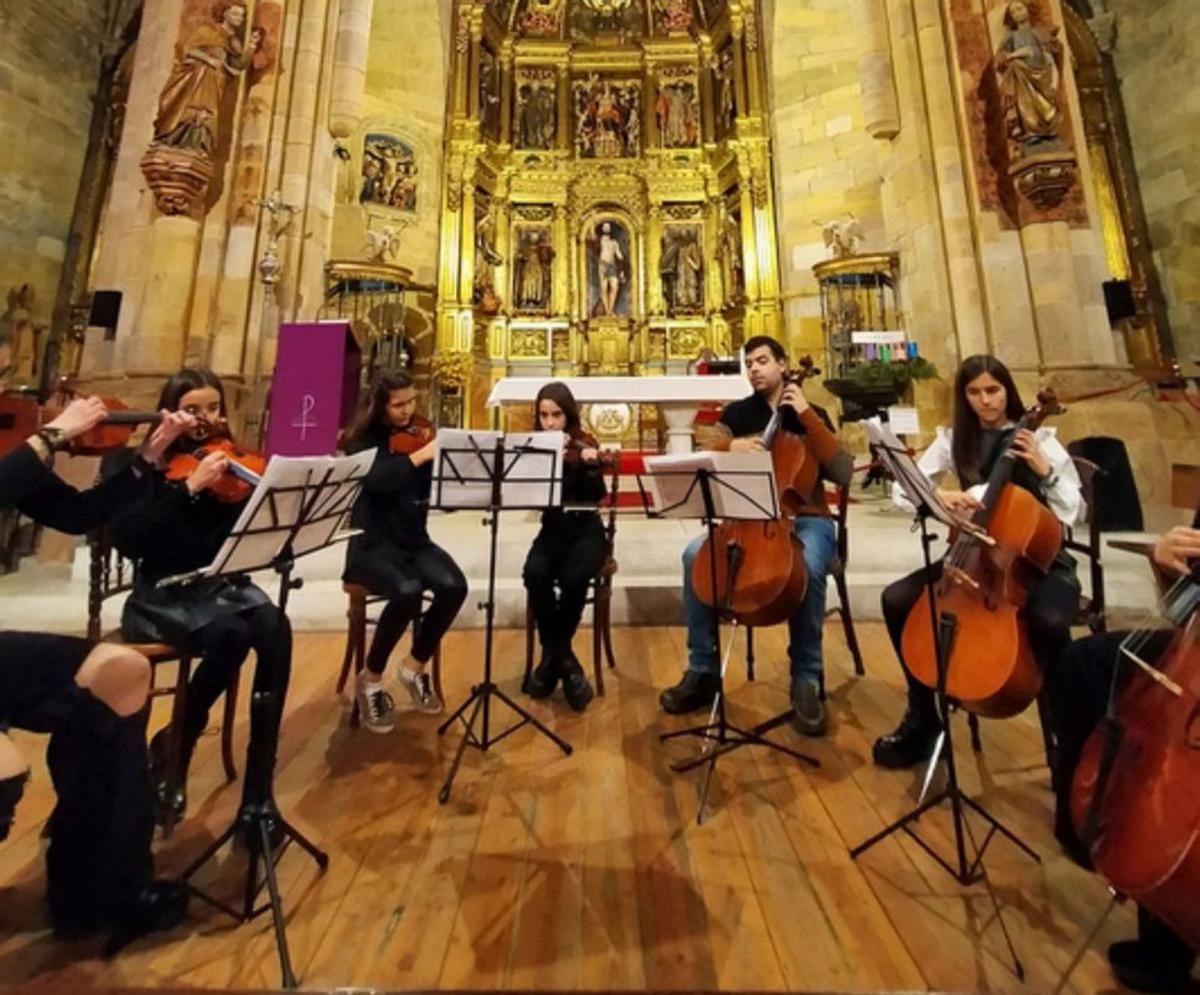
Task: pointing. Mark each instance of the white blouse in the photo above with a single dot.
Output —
(1064, 496)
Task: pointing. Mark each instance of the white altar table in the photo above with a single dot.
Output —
(678, 398)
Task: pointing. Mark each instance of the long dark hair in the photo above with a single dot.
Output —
(184, 382)
(371, 424)
(560, 394)
(967, 431)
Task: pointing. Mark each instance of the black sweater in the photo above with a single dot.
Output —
(393, 508)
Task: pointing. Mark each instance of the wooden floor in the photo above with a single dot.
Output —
(589, 871)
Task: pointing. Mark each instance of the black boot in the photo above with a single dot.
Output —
(576, 688)
(11, 789)
(694, 691)
(158, 907)
(169, 804)
(544, 678)
(911, 743)
(1142, 967)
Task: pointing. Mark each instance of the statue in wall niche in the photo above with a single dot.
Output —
(1027, 63)
(729, 252)
(537, 109)
(189, 109)
(681, 269)
(608, 248)
(678, 110)
(535, 270)
(486, 257)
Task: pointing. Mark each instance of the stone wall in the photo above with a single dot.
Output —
(49, 70)
(1158, 61)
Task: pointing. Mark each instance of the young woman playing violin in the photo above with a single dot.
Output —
(1080, 683)
(91, 699)
(568, 551)
(987, 406)
(177, 527)
(742, 424)
(394, 555)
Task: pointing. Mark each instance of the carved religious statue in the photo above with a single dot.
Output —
(1028, 66)
(608, 247)
(486, 259)
(729, 252)
(681, 269)
(537, 121)
(535, 271)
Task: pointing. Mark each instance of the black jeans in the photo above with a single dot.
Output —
(1049, 612)
(403, 575)
(224, 644)
(567, 554)
(99, 856)
(1079, 683)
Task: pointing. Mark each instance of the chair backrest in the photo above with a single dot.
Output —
(1089, 473)
(843, 536)
(614, 493)
(109, 574)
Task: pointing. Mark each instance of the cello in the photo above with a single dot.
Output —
(764, 559)
(1135, 798)
(991, 669)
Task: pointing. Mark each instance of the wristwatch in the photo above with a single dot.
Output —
(55, 438)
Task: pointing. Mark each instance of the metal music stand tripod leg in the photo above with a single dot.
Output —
(719, 735)
(479, 701)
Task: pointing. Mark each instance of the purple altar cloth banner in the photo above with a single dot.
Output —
(315, 389)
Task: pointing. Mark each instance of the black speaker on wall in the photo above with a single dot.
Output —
(1118, 297)
(106, 311)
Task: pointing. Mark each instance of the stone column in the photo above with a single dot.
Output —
(350, 67)
(881, 113)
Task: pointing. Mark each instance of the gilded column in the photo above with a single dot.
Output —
(506, 94)
(565, 130)
(656, 305)
(350, 67)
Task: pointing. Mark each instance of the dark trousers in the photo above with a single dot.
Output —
(224, 645)
(1079, 683)
(99, 856)
(561, 564)
(404, 575)
(1049, 612)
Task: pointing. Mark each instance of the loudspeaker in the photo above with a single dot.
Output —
(1118, 298)
(106, 309)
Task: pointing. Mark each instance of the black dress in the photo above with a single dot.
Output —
(394, 555)
(99, 858)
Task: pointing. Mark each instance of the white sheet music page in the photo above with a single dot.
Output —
(743, 485)
(532, 471)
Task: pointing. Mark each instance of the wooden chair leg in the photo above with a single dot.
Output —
(175, 772)
(749, 653)
(973, 725)
(607, 630)
(231, 700)
(598, 637)
(437, 672)
(348, 658)
(356, 640)
(848, 623)
(529, 632)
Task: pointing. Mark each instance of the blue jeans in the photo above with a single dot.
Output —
(804, 627)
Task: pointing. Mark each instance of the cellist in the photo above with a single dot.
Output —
(741, 426)
(1079, 684)
(987, 406)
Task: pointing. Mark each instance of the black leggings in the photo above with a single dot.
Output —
(404, 575)
(100, 831)
(224, 644)
(567, 555)
(1049, 613)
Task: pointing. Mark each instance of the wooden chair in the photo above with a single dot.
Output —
(111, 574)
(358, 617)
(837, 570)
(599, 597)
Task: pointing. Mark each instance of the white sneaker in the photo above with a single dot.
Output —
(420, 689)
(375, 706)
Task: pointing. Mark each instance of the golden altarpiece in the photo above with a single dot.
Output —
(608, 204)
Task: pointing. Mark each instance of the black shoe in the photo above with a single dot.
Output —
(911, 743)
(11, 790)
(576, 688)
(693, 692)
(808, 711)
(169, 805)
(1141, 967)
(543, 679)
(158, 907)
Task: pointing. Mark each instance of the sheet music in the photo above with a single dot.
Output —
(918, 488)
(743, 485)
(326, 485)
(463, 469)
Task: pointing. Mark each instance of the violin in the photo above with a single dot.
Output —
(758, 572)
(577, 443)
(22, 415)
(1013, 539)
(240, 478)
(1135, 801)
(417, 434)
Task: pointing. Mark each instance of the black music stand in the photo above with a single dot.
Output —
(916, 487)
(716, 495)
(485, 478)
(298, 507)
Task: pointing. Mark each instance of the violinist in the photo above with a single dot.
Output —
(177, 527)
(741, 426)
(394, 555)
(567, 553)
(1079, 684)
(91, 699)
(987, 406)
